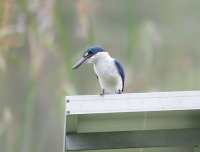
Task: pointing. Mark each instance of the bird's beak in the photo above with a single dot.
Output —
(80, 62)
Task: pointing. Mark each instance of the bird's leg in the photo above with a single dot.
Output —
(102, 92)
(119, 92)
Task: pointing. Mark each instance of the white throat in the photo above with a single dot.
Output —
(100, 57)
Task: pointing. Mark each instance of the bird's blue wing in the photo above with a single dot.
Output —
(121, 72)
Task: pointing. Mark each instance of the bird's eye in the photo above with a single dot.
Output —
(90, 52)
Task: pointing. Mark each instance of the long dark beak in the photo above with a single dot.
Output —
(80, 62)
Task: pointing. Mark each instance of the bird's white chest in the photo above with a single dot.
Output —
(108, 76)
(106, 69)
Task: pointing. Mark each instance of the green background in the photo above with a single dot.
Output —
(157, 41)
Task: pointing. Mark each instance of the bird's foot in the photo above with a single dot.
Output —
(102, 92)
(119, 92)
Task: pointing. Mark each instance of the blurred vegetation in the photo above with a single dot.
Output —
(157, 41)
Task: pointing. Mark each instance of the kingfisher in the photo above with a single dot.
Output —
(110, 73)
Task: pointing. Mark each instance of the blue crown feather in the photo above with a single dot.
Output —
(95, 49)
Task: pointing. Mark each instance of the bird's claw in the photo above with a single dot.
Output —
(119, 92)
(102, 92)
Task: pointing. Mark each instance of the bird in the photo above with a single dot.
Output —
(109, 72)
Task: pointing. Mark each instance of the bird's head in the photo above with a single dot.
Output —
(89, 56)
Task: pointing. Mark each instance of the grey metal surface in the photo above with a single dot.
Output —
(132, 139)
(133, 121)
(133, 102)
(138, 120)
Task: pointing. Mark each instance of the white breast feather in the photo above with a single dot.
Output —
(108, 75)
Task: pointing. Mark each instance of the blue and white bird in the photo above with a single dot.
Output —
(109, 71)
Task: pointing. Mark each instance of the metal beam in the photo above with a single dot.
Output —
(133, 139)
(140, 113)
(133, 102)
